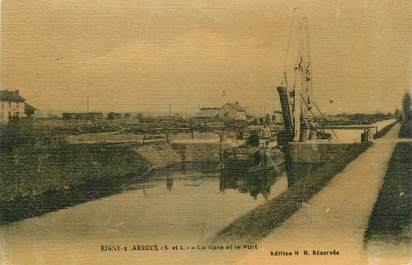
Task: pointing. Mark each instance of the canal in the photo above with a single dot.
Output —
(170, 207)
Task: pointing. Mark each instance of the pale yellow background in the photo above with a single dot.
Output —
(144, 55)
(129, 55)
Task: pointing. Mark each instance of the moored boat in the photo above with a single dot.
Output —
(252, 159)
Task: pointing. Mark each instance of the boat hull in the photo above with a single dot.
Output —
(252, 160)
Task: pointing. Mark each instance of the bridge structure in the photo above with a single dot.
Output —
(349, 127)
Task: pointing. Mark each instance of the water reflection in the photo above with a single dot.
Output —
(169, 183)
(251, 183)
(169, 206)
(296, 171)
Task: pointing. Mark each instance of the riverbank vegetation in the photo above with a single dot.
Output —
(262, 220)
(40, 172)
(40, 181)
(406, 128)
(392, 214)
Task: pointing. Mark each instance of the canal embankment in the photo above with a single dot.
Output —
(406, 128)
(392, 214)
(35, 181)
(41, 172)
(337, 216)
(388, 237)
(384, 127)
(159, 154)
(260, 222)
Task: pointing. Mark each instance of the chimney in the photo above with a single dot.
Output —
(17, 91)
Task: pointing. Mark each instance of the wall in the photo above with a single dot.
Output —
(315, 153)
(13, 108)
(159, 154)
(200, 152)
(29, 171)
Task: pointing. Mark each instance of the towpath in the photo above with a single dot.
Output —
(335, 218)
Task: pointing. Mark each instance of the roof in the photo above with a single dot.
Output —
(11, 95)
(210, 108)
(207, 113)
(28, 107)
(236, 106)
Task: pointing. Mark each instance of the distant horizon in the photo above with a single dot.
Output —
(127, 55)
(153, 113)
(253, 111)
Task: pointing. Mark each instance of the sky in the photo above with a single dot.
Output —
(144, 55)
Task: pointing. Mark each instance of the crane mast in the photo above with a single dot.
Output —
(296, 102)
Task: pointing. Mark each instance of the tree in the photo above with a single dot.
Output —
(397, 114)
(406, 105)
(406, 128)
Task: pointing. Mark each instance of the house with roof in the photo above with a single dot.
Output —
(207, 113)
(14, 107)
(234, 111)
(229, 111)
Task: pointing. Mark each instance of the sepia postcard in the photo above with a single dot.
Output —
(205, 132)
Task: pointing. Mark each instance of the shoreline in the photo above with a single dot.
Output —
(390, 220)
(260, 221)
(24, 207)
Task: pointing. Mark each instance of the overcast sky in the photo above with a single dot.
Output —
(134, 55)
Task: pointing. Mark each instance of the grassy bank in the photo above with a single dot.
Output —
(35, 181)
(30, 206)
(392, 213)
(262, 220)
(406, 129)
(385, 130)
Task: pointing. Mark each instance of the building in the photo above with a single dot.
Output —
(14, 107)
(207, 113)
(234, 111)
(231, 111)
(30, 111)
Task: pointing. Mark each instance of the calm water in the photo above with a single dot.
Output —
(184, 207)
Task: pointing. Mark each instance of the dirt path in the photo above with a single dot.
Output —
(335, 218)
